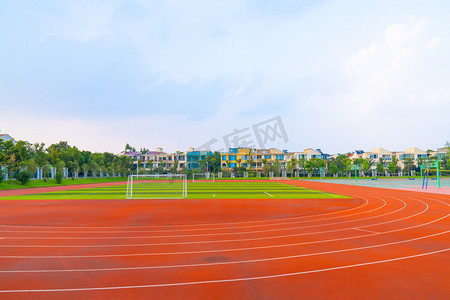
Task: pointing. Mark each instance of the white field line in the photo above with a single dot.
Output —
(268, 194)
(226, 280)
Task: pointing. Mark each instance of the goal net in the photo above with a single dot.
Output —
(171, 186)
(203, 177)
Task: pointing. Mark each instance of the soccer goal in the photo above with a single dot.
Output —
(171, 186)
(204, 177)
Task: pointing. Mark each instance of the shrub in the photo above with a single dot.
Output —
(58, 177)
(24, 176)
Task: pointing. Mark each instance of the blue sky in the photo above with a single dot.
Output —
(342, 75)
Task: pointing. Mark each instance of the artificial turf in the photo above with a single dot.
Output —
(197, 190)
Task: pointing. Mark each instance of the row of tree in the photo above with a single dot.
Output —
(335, 165)
(61, 156)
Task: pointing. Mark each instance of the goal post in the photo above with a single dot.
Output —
(204, 176)
(157, 186)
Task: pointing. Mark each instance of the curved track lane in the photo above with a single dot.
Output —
(382, 243)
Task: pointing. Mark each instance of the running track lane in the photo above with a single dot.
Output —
(394, 245)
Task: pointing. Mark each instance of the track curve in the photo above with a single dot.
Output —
(380, 244)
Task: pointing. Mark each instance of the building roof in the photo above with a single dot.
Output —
(415, 150)
(381, 151)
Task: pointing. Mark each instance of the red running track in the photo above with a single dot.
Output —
(381, 244)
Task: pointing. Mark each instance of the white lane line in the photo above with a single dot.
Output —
(366, 230)
(226, 280)
(282, 236)
(214, 195)
(203, 229)
(230, 262)
(197, 225)
(229, 233)
(213, 251)
(268, 194)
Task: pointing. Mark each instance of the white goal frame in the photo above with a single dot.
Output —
(133, 178)
(208, 176)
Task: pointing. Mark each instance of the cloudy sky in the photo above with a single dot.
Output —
(341, 75)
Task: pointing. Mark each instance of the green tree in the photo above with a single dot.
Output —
(238, 161)
(150, 165)
(276, 167)
(24, 176)
(380, 168)
(332, 168)
(408, 163)
(45, 170)
(22, 151)
(251, 163)
(73, 167)
(59, 177)
(301, 163)
(3, 156)
(54, 155)
(85, 169)
(11, 166)
(32, 166)
(175, 165)
(367, 164)
(94, 168)
(391, 167)
(40, 156)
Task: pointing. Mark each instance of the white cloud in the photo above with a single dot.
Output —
(395, 88)
(297, 65)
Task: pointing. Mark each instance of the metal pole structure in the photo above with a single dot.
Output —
(137, 166)
(437, 171)
(131, 190)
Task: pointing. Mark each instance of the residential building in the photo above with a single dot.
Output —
(6, 137)
(194, 157)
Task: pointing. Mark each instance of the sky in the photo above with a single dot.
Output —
(337, 75)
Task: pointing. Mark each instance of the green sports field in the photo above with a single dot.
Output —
(198, 190)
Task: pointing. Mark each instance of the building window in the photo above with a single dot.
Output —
(231, 157)
(267, 156)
